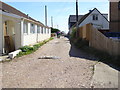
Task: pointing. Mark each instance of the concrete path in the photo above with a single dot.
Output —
(73, 68)
(105, 76)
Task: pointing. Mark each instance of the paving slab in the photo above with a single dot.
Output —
(105, 76)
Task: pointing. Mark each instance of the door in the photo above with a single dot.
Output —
(8, 37)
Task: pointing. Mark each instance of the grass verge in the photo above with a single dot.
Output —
(30, 49)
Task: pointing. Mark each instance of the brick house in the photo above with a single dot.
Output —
(115, 16)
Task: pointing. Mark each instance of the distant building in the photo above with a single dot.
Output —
(99, 21)
(72, 20)
(115, 16)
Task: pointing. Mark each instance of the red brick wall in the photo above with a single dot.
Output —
(114, 17)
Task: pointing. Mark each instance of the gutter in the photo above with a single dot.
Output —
(10, 14)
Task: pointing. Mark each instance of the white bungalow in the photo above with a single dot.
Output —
(18, 29)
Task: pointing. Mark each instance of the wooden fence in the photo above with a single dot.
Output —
(98, 40)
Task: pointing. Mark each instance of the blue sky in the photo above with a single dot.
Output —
(59, 10)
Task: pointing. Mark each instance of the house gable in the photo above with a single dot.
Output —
(99, 22)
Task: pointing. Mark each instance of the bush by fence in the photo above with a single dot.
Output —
(98, 41)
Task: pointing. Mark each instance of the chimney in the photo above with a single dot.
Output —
(27, 15)
(90, 11)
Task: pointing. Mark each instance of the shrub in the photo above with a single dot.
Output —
(81, 43)
(73, 34)
(28, 49)
(101, 55)
(36, 46)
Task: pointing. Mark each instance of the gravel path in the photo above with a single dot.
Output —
(73, 68)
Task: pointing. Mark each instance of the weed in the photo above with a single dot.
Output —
(103, 56)
(30, 49)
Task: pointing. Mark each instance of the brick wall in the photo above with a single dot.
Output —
(114, 17)
(0, 32)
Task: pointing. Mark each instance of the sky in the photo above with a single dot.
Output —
(60, 11)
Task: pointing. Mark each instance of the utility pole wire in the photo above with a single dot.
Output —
(76, 10)
(77, 18)
(51, 21)
(45, 15)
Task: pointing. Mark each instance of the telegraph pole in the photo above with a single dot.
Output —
(77, 17)
(51, 21)
(45, 15)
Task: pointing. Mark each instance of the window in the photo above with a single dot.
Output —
(42, 30)
(25, 27)
(48, 30)
(119, 5)
(38, 29)
(95, 17)
(32, 28)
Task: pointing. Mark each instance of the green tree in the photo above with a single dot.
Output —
(54, 30)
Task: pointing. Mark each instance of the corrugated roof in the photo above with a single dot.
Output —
(72, 18)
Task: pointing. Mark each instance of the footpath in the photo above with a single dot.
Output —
(105, 76)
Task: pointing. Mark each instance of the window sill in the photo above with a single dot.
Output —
(25, 34)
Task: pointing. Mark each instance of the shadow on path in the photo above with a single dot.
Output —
(75, 52)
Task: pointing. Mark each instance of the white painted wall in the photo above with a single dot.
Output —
(31, 39)
(1, 34)
(17, 34)
(20, 38)
(14, 24)
(101, 21)
(44, 36)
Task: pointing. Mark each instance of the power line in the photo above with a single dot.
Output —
(76, 17)
(51, 21)
(62, 10)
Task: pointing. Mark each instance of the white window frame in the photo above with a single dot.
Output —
(32, 28)
(25, 27)
(48, 31)
(95, 17)
(42, 31)
(45, 30)
(38, 29)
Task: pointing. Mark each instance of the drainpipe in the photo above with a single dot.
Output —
(22, 36)
(37, 33)
(3, 50)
